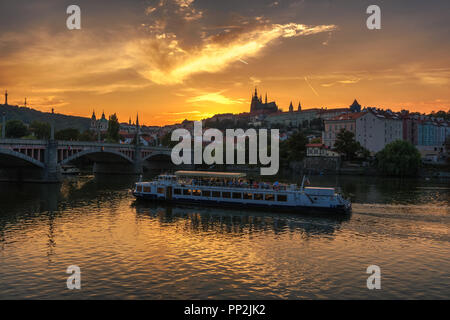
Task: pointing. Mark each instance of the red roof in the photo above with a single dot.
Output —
(349, 116)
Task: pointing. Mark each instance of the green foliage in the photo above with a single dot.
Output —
(69, 134)
(345, 143)
(41, 130)
(16, 129)
(88, 135)
(113, 129)
(167, 142)
(28, 115)
(399, 158)
(441, 114)
(294, 148)
(317, 124)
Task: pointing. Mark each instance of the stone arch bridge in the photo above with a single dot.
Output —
(42, 159)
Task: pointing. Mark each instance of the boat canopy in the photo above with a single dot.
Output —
(206, 174)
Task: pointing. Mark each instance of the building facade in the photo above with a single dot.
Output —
(332, 127)
(377, 128)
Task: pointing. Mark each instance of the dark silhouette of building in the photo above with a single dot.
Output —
(258, 106)
(355, 107)
(6, 97)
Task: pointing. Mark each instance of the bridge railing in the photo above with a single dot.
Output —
(62, 143)
(22, 142)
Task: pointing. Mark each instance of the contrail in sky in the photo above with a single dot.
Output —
(311, 87)
(243, 61)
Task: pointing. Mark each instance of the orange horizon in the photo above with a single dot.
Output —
(180, 59)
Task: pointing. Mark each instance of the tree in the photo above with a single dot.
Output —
(166, 140)
(294, 148)
(345, 143)
(87, 135)
(69, 134)
(113, 129)
(16, 129)
(317, 124)
(399, 158)
(41, 129)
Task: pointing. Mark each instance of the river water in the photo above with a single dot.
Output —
(136, 250)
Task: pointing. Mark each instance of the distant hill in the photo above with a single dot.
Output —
(28, 115)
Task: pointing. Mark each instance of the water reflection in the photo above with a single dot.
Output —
(135, 249)
(232, 221)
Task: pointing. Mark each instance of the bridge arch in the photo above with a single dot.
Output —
(157, 154)
(94, 151)
(24, 157)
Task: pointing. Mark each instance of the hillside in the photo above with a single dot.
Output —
(28, 115)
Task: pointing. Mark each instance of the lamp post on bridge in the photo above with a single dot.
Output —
(137, 149)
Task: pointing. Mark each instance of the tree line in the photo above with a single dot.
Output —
(16, 129)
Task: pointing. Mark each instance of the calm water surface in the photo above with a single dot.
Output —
(128, 249)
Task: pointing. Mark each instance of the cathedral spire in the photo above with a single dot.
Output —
(266, 98)
(291, 107)
(6, 97)
(299, 106)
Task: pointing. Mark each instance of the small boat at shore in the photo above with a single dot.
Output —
(232, 189)
(70, 170)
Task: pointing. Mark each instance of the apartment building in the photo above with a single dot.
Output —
(332, 127)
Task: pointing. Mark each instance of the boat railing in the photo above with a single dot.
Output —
(248, 186)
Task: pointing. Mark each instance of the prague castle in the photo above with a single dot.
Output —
(257, 106)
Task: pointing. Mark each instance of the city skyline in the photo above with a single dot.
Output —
(185, 59)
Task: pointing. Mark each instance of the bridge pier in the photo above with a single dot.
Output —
(137, 163)
(52, 170)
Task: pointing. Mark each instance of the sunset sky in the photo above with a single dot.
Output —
(176, 59)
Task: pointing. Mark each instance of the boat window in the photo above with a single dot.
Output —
(226, 195)
(160, 190)
(206, 193)
(176, 191)
(248, 196)
(196, 193)
(237, 195)
(282, 197)
(258, 196)
(270, 197)
(146, 189)
(139, 188)
(186, 192)
(216, 194)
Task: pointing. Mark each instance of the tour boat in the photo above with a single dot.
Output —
(232, 189)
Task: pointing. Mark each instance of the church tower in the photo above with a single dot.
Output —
(93, 121)
(6, 97)
(291, 107)
(299, 107)
(255, 102)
